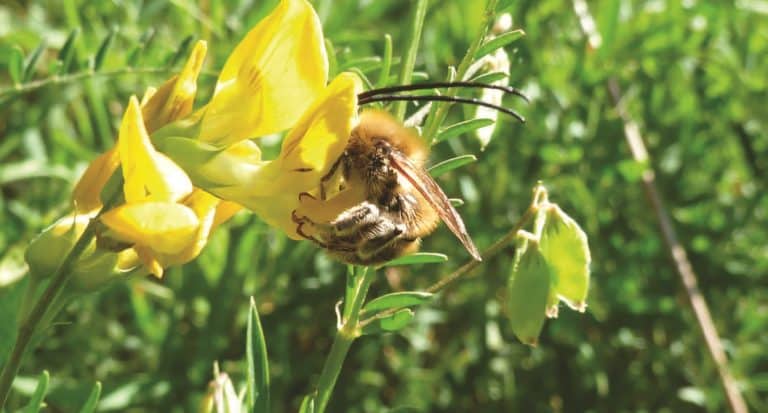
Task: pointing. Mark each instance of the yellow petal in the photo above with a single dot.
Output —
(204, 206)
(87, 192)
(149, 175)
(270, 78)
(163, 227)
(308, 152)
(174, 99)
(320, 136)
(224, 211)
(147, 257)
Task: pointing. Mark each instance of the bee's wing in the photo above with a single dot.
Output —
(432, 192)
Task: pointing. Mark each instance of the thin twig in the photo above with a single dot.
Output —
(675, 248)
(74, 77)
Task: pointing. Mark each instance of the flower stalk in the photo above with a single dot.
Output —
(345, 335)
(48, 299)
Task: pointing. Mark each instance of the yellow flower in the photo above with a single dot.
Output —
(271, 188)
(270, 79)
(164, 218)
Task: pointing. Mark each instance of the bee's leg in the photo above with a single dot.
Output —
(327, 177)
(385, 234)
(355, 219)
(302, 221)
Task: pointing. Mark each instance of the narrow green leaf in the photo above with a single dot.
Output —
(462, 127)
(490, 77)
(498, 42)
(29, 67)
(393, 322)
(399, 299)
(307, 405)
(333, 63)
(93, 399)
(36, 402)
(364, 64)
(257, 363)
(68, 51)
(418, 258)
(409, 60)
(386, 63)
(16, 64)
(451, 164)
(101, 53)
(181, 51)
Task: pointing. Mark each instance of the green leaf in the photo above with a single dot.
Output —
(451, 164)
(101, 53)
(36, 402)
(93, 399)
(386, 63)
(456, 202)
(181, 51)
(393, 322)
(68, 51)
(564, 246)
(29, 67)
(308, 404)
(498, 42)
(399, 299)
(529, 284)
(257, 363)
(490, 77)
(409, 60)
(462, 127)
(16, 64)
(418, 258)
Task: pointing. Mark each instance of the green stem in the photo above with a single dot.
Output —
(409, 60)
(48, 299)
(345, 335)
(434, 122)
(86, 74)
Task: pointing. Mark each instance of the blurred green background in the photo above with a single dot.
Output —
(694, 75)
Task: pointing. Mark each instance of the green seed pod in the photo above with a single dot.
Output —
(94, 268)
(529, 285)
(46, 252)
(564, 246)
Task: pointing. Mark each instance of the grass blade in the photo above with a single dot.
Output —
(257, 363)
(93, 399)
(36, 402)
(409, 60)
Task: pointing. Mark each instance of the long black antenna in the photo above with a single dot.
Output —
(432, 85)
(436, 98)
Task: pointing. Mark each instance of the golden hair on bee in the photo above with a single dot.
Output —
(386, 200)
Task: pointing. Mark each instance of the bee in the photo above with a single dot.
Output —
(389, 201)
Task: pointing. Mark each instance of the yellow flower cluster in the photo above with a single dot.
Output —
(186, 171)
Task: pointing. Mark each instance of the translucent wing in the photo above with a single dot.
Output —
(432, 192)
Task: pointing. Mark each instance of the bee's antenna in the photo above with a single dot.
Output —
(435, 98)
(433, 85)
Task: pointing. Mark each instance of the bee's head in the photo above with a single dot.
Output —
(379, 133)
